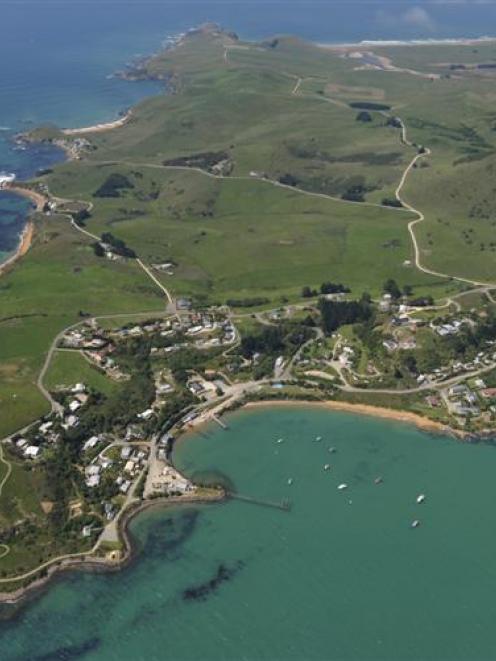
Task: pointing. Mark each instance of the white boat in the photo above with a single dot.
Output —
(318, 438)
(327, 467)
(332, 450)
(342, 486)
(415, 524)
(280, 440)
(378, 480)
(290, 481)
(420, 498)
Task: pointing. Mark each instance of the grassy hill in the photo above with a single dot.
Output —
(205, 163)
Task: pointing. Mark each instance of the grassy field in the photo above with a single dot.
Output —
(57, 280)
(284, 108)
(70, 367)
(233, 238)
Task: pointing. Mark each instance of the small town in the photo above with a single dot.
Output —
(184, 369)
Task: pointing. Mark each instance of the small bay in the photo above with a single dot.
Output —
(342, 575)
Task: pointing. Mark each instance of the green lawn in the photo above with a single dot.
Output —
(70, 367)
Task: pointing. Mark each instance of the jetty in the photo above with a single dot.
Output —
(220, 422)
(284, 505)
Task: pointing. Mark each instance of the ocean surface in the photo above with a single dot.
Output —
(57, 56)
(342, 575)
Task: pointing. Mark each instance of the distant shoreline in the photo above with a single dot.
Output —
(99, 128)
(386, 43)
(27, 234)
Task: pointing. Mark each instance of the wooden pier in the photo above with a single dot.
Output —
(220, 422)
(284, 505)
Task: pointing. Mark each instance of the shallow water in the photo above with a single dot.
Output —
(340, 576)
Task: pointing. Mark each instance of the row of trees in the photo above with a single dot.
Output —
(325, 288)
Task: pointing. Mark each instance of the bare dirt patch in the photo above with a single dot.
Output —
(375, 93)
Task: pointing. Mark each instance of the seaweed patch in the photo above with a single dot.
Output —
(69, 652)
(168, 535)
(202, 591)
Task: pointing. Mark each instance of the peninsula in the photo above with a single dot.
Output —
(289, 222)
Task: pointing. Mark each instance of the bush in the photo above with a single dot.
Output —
(391, 202)
(113, 185)
(364, 116)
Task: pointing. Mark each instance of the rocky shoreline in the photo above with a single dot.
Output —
(91, 563)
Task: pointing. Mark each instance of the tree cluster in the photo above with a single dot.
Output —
(340, 313)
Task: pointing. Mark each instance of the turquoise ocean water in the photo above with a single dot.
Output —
(340, 576)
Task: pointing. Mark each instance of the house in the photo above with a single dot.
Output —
(164, 388)
(433, 401)
(71, 421)
(390, 345)
(183, 304)
(74, 405)
(79, 387)
(488, 393)
(43, 428)
(32, 451)
(195, 387)
(130, 466)
(91, 442)
(109, 511)
(145, 415)
(471, 397)
(458, 408)
(457, 390)
(126, 452)
(124, 488)
(92, 481)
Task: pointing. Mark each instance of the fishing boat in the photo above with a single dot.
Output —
(342, 486)
(327, 467)
(290, 481)
(332, 450)
(280, 440)
(318, 438)
(415, 524)
(420, 498)
(378, 480)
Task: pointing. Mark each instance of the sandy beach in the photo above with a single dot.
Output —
(24, 245)
(38, 199)
(387, 43)
(366, 409)
(27, 234)
(99, 128)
